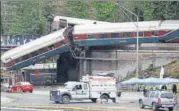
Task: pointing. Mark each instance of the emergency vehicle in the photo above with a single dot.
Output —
(90, 87)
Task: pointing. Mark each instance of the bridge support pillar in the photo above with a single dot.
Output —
(85, 65)
(88, 63)
(81, 69)
(88, 67)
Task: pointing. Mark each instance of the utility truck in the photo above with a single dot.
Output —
(89, 87)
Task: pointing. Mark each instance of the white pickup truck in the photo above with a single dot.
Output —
(158, 99)
(90, 87)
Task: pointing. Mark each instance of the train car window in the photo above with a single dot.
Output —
(41, 51)
(121, 35)
(92, 36)
(11, 63)
(126, 34)
(82, 36)
(141, 34)
(147, 33)
(51, 47)
(34, 53)
(114, 35)
(38, 52)
(133, 34)
(30, 55)
(153, 33)
(109, 35)
(103, 35)
(46, 49)
(156, 33)
(63, 23)
(20, 59)
(25, 57)
(16, 60)
(163, 32)
(58, 44)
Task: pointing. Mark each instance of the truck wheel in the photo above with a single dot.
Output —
(119, 94)
(105, 97)
(65, 99)
(170, 109)
(57, 102)
(154, 107)
(114, 100)
(93, 100)
(141, 104)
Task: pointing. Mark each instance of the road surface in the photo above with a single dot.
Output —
(41, 99)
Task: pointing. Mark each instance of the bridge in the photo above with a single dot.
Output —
(79, 41)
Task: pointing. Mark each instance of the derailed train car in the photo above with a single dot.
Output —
(90, 35)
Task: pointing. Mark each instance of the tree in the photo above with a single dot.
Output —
(77, 9)
(31, 17)
(17, 26)
(99, 10)
(166, 10)
(28, 19)
(104, 10)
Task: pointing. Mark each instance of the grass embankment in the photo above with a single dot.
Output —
(171, 70)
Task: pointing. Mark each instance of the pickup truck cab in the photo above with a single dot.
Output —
(90, 87)
(158, 99)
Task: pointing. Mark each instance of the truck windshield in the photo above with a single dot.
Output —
(167, 95)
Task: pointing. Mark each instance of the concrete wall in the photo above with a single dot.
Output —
(155, 54)
(127, 62)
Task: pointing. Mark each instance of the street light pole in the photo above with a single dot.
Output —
(0, 20)
(137, 49)
(137, 33)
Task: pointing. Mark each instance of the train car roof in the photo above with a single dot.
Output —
(126, 26)
(33, 44)
(78, 21)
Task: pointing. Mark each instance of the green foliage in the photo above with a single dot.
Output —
(166, 10)
(28, 19)
(17, 26)
(77, 9)
(148, 11)
(104, 10)
(99, 10)
(33, 17)
(170, 69)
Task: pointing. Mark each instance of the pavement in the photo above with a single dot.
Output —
(125, 97)
(38, 92)
(39, 99)
(24, 109)
(5, 100)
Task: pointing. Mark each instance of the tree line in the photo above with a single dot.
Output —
(34, 16)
